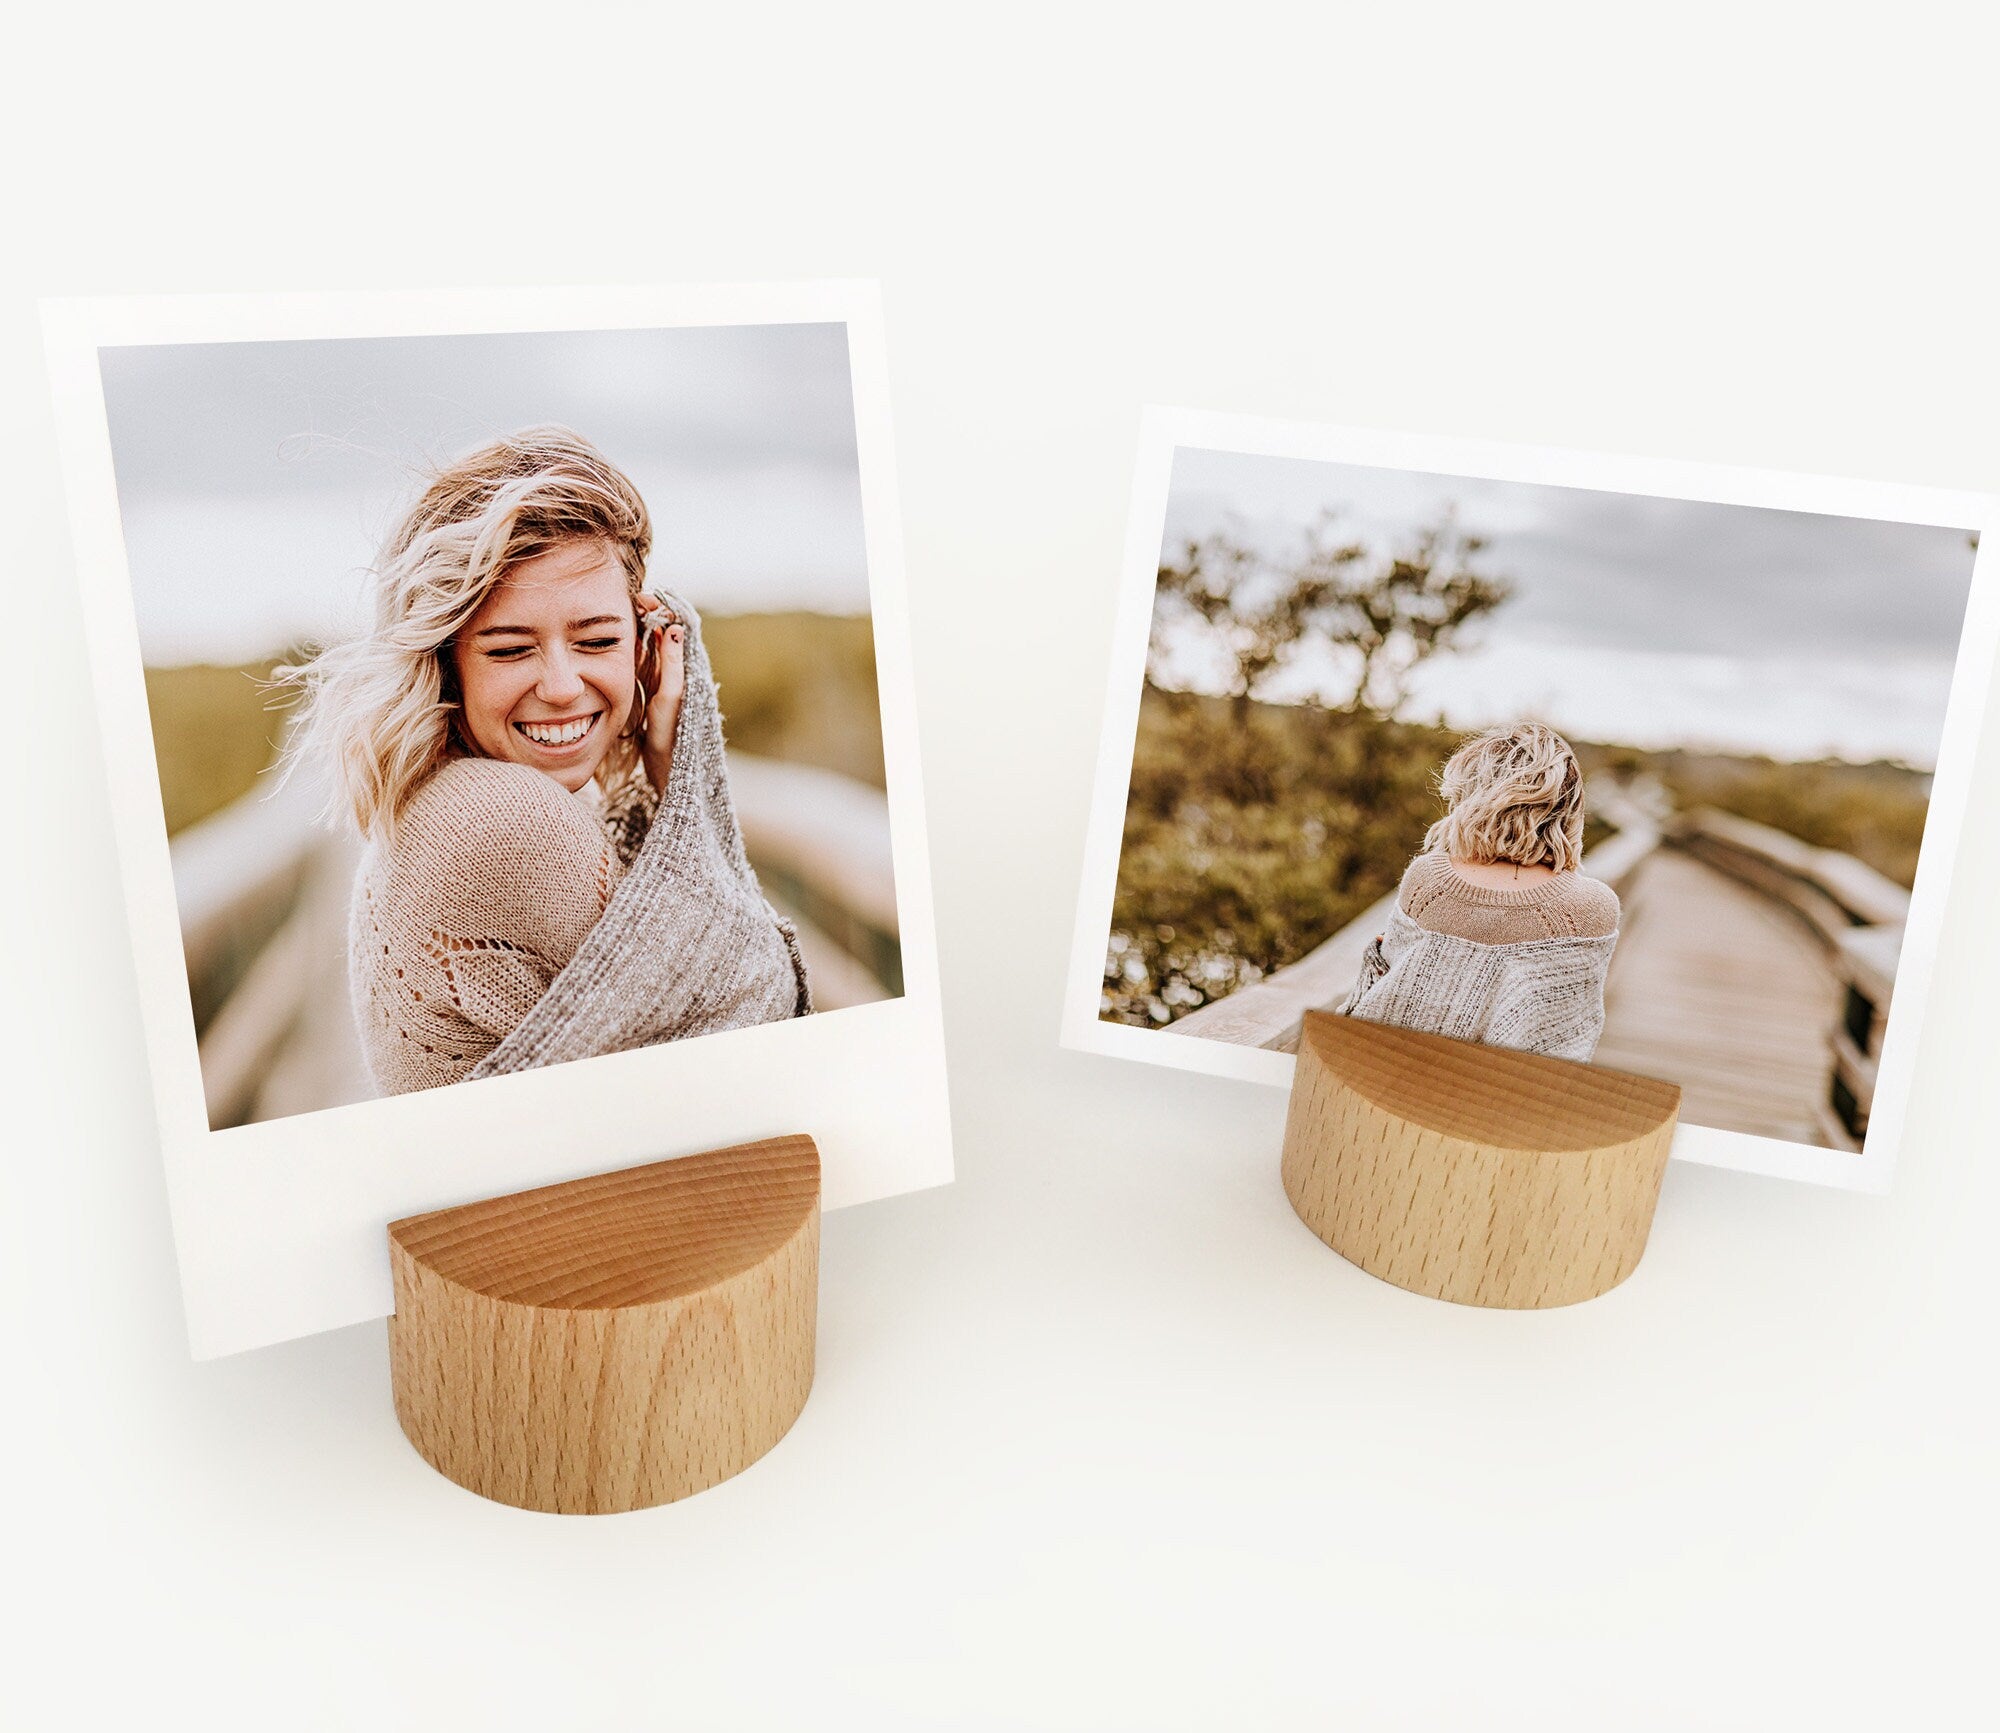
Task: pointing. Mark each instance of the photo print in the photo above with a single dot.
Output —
(512, 734)
(1634, 764)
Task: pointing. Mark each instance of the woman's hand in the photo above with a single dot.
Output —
(663, 674)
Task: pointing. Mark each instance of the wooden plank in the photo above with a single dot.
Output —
(1727, 994)
(828, 830)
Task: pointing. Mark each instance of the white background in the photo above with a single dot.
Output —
(1102, 1436)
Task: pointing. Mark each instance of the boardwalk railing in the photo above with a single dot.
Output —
(263, 890)
(1834, 892)
(1271, 1012)
(1857, 915)
(821, 846)
(255, 885)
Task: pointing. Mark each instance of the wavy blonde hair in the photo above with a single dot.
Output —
(382, 710)
(1513, 795)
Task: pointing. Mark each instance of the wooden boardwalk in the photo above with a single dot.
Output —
(1727, 993)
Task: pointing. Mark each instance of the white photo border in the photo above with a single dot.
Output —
(1163, 431)
(279, 1226)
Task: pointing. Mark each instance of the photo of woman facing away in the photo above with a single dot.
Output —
(1496, 934)
(529, 741)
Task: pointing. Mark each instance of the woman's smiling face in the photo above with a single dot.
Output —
(547, 665)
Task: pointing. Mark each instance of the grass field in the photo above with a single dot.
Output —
(794, 686)
(1874, 812)
(214, 732)
(800, 687)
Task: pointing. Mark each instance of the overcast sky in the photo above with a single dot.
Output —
(1643, 621)
(256, 480)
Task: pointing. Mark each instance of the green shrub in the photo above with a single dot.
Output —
(1253, 832)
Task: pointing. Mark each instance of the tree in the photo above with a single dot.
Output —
(1380, 616)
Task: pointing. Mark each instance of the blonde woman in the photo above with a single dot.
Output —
(1496, 934)
(529, 741)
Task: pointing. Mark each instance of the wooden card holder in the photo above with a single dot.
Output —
(1473, 1174)
(613, 1342)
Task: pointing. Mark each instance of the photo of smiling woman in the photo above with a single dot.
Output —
(529, 741)
(512, 696)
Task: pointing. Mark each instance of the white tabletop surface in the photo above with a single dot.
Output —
(1102, 1437)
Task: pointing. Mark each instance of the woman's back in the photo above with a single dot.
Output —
(1519, 966)
(1441, 898)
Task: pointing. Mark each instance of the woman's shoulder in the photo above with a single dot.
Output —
(1425, 866)
(461, 785)
(1424, 880)
(485, 792)
(1590, 904)
(496, 850)
(495, 810)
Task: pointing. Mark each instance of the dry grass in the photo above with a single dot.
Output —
(800, 687)
(1874, 812)
(215, 732)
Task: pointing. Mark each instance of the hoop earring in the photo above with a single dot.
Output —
(636, 728)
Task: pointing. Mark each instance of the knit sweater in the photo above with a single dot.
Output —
(1516, 966)
(1441, 899)
(458, 927)
(686, 945)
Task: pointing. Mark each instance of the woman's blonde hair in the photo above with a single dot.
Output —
(1513, 795)
(382, 710)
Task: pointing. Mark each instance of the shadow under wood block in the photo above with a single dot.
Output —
(612, 1342)
(1469, 1173)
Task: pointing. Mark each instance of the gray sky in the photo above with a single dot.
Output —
(256, 480)
(1643, 621)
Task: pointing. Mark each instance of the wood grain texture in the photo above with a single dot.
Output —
(1473, 1174)
(613, 1342)
(1727, 990)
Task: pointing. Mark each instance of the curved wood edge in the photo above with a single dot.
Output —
(625, 1238)
(1492, 1096)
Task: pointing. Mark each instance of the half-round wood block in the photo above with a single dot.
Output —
(1469, 1173)
(612, 1342)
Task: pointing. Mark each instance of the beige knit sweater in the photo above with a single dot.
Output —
(1517, 966)
(1567, 906)
(496, 875)
(687, 945)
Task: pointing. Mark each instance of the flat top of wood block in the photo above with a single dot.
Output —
(1487, 1095)
(629, 1238)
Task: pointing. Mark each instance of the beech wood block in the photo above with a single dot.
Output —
(613, 1342)
(1470, 1173)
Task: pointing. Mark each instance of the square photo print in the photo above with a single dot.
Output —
(1627, 763)
(510, 713)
